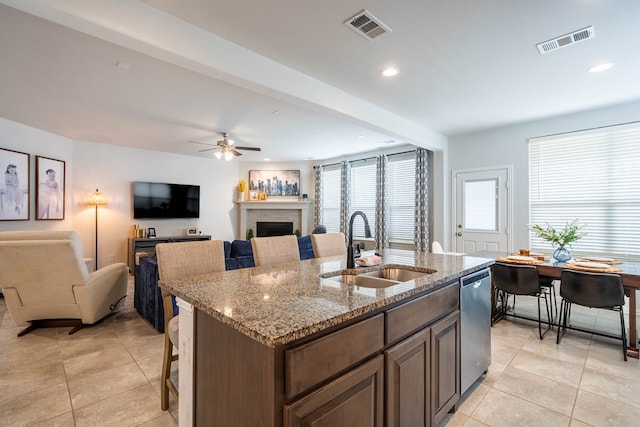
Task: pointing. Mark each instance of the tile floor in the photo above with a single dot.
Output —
(583, 381)
(109, 374)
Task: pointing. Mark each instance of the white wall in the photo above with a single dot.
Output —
(508, 146)
(14, 136)
(112, 169)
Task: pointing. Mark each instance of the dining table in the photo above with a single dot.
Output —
(629, 272)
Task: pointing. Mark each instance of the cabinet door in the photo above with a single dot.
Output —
(445, 365)
(408, 372)
(353, 400)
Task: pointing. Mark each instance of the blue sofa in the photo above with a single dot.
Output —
(147, 298)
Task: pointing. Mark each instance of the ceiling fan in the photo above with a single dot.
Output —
(225, 148)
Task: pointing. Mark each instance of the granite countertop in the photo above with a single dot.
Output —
(280, 304)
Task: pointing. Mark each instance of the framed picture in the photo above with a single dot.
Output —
(50, 189)
(275, 182)
(253, 195)
(151, 232)
(14, 189)
(262, 196)
(192, 231)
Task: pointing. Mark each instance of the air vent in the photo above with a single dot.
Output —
(367, 25)
(566, 40)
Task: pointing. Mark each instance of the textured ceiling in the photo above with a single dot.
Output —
(290, 77)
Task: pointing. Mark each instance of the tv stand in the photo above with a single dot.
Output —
(148, 245)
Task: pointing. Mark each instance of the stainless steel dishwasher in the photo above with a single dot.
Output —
(475, 326)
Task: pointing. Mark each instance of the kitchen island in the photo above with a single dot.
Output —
(290, 344)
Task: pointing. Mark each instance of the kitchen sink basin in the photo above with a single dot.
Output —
(379, 278)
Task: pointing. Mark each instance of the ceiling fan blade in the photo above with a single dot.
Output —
(203, 143)
(207, 149)
(234, 152)
(248, 148)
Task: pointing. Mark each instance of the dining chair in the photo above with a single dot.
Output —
(329, 244)
(594, 290)
(509, 279)
(177, 261)
(275, 250)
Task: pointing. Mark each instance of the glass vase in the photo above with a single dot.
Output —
(561, 254)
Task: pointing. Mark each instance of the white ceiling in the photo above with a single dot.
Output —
(197, 67)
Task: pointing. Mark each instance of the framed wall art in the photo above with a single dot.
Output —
(14, 188)
(275, 182)
(253, 196)
(50, 190)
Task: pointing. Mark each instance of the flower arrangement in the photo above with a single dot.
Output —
(569, 234)
(242, 186)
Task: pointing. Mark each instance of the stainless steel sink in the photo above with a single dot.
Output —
(398, 274)
(378, 278)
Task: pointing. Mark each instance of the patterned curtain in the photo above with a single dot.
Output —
(317, 207)
(422, 201)
(345, 178)
(382, 203)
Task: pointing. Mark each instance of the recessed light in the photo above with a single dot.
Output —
(360, 136)
(389, 72)
(601, 67)
(266, 159)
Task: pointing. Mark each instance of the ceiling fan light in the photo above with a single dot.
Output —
(218, 155)
(228, 155)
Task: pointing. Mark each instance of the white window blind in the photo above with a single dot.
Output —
(330, 195)
(401, 197)
(593, 176)
(363, 195)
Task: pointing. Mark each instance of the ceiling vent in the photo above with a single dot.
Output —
(566, 40)
(367, 25)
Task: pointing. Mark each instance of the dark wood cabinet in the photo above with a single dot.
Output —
(350, 376)
(408, 376)
(354, 399)
(445, 366)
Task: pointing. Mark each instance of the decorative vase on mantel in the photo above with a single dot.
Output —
(241, 196)
(561, 254)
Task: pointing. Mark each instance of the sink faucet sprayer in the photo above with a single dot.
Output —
(367, 233)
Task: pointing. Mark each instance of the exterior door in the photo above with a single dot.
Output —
(482, 210)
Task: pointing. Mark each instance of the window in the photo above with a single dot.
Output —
(593, 176)
(330, 198)
(363, 195)
(401, 197)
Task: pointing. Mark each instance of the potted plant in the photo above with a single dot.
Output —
(559, 239)
(242, 187)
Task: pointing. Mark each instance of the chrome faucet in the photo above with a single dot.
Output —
(367, 233)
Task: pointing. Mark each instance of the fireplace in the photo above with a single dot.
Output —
(266, 229)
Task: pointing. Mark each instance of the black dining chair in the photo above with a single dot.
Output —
(594, 290)
(509, 279)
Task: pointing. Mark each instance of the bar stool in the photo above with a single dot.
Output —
(177, 261)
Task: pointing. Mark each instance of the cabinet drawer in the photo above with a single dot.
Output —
(314, 362)
(404, 319)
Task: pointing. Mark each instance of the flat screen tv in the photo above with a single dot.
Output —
(162, 200)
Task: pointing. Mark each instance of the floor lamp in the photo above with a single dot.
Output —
(96, 199)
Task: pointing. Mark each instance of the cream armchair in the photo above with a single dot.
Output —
(45, 281)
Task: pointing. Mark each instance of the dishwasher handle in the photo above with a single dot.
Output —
(476, 278)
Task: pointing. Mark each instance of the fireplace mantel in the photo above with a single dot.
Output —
(244, 207)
